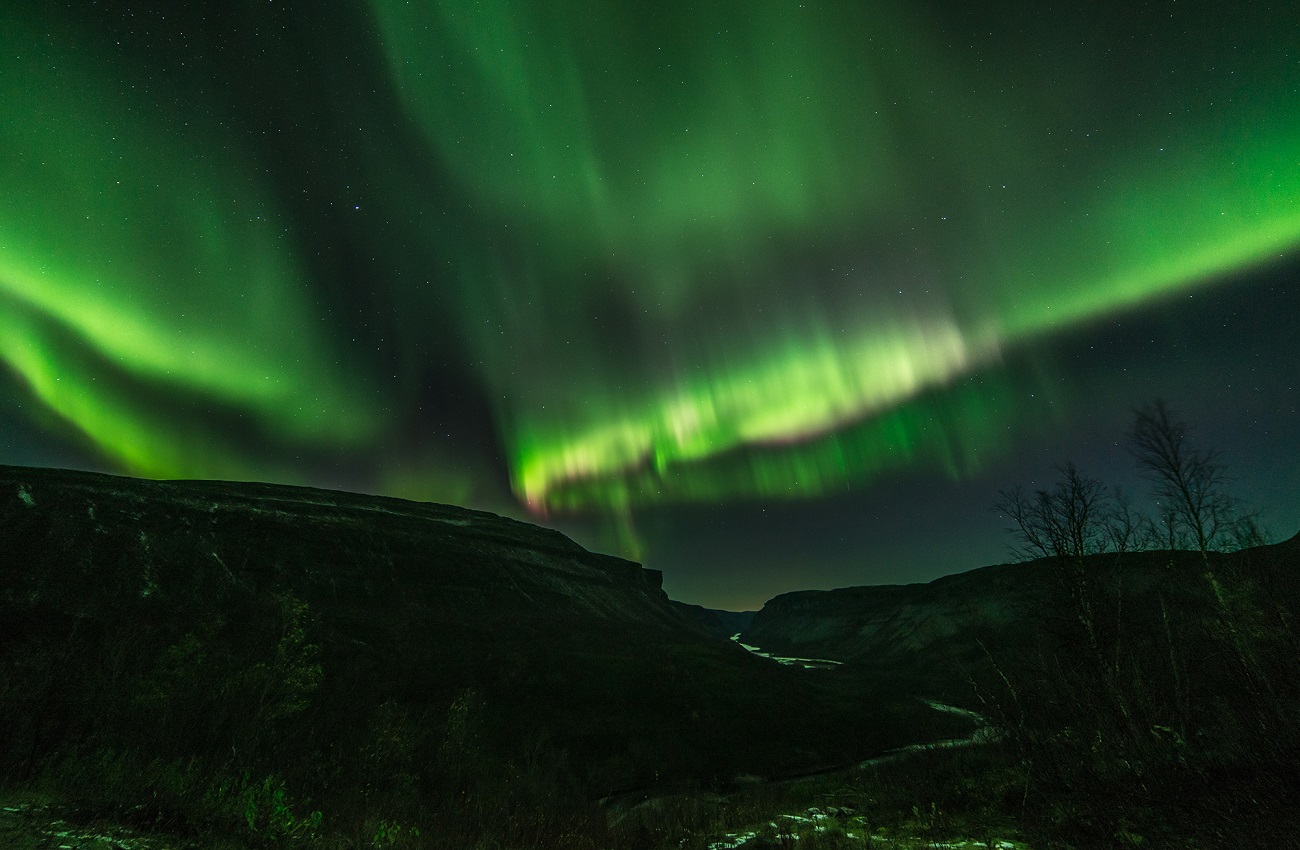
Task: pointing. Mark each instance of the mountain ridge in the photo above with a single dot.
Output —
(940, 635)
(308, 627)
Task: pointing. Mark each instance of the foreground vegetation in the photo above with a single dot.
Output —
(986, 797)
(1170, 722)
(164, 761)
(930, 799)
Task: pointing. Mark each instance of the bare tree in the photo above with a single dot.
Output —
(1067, 521)
(1127, 530)
(1190, 484)
(1066, 524)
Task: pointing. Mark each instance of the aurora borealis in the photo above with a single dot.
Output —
(644, 270)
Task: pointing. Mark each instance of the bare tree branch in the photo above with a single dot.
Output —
(1190, 484)
(1067, 521)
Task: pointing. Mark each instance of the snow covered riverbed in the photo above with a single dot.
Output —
(806, 663)
(852, 828)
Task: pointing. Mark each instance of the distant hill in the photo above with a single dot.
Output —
(330, 639)
(934, 638)
(721, 623)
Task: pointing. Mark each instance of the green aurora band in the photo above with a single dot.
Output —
(140, 261)
(729, 250)
(683, 151)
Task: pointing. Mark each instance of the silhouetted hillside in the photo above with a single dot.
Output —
(721, 623)
(935, 636)
(228, 643)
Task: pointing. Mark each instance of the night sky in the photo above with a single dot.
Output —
(766, 295)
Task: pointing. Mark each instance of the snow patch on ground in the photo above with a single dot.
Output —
(31, 826)
(795, 827)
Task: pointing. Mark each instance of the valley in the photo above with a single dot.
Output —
(210, 664)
